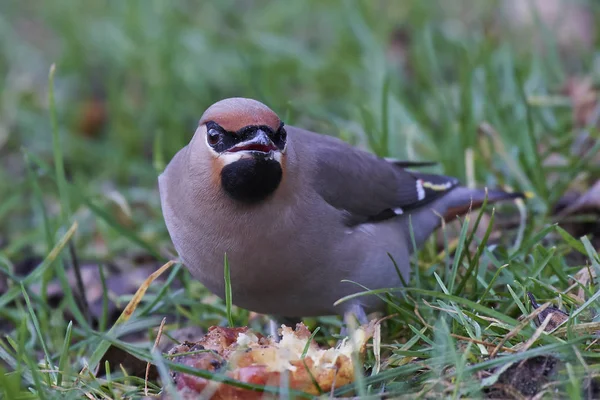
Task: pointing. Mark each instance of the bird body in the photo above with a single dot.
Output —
(297, 212)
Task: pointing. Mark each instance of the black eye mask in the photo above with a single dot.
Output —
(221, 140)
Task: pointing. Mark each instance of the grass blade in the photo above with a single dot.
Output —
(38, 331)
(125, 315)
(64, 355)
(228, 293)
(39, 272)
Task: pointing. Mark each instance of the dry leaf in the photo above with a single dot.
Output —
(584, 277)
(584, 99)
(119, 282)
(557, 318)
(571, 22)
(587, 203)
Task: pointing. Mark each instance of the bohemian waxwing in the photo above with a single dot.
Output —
(297, 212)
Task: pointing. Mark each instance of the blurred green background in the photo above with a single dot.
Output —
(408, 79)
(503, 93)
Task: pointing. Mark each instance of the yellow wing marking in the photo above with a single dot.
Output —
(440, 187)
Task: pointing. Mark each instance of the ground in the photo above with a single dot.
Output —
(97, 97)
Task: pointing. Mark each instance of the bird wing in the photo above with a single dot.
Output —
(367, 187)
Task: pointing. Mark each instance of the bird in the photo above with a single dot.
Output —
(301, 217)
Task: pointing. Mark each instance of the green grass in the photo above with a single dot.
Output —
(473, 85)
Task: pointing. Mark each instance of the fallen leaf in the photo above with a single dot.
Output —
(93, 117)
(589, 202)
(557, 318)
(583, 94)
(119, 282)
(571, 23)
(584, 277)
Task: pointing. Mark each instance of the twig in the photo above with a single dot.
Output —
(481, 342)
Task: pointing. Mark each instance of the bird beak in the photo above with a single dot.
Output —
(259, 142)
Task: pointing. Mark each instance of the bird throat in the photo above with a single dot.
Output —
(251, 179)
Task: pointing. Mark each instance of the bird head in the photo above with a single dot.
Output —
(245, 142)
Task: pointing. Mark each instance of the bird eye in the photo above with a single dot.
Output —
(213, 136)
(279, 138)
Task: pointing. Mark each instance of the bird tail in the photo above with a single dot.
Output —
(463, 199)
(458, 201)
